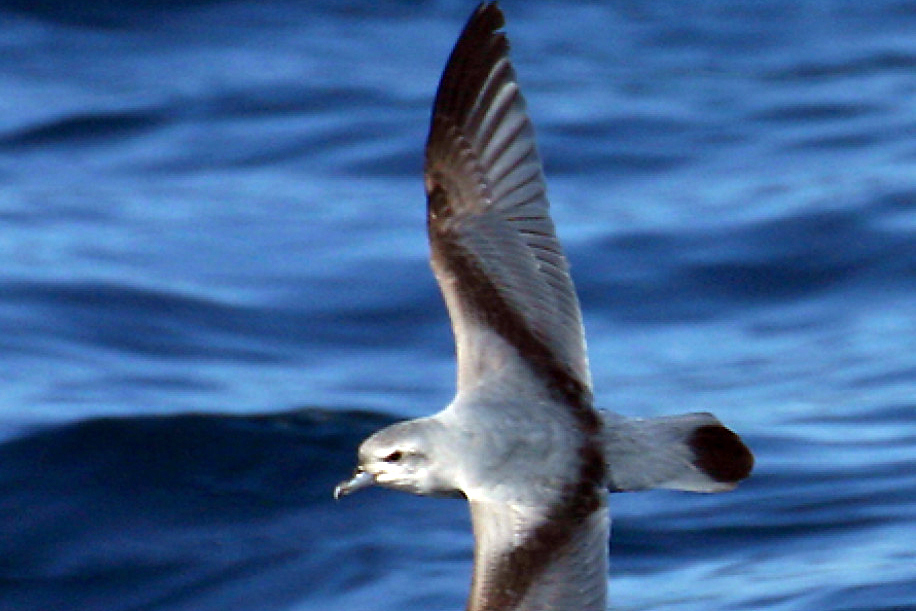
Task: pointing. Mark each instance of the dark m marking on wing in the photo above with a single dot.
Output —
(517, 569)
(453, 173)
(520, 566)
(482, 299)
(514, 572)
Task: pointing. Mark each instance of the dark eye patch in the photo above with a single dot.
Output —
(394, 456)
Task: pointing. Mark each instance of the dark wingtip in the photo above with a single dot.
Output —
(479, 45)
(481, 28)
(721, 454)
(491, 13)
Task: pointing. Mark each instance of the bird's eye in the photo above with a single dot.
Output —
(393, 457)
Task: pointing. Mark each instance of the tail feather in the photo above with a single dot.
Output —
(692, 452)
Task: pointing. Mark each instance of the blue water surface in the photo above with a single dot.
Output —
(214, 284)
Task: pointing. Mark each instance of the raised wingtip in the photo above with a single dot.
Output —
(720, 453)
(491, 12)
(486, 19)
(479, 45)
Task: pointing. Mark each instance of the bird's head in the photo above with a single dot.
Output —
(402, 457)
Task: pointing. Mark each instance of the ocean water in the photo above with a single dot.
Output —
(213, 286)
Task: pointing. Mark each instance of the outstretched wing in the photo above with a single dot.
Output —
(518, 333)
(561, 563)
(494, 250)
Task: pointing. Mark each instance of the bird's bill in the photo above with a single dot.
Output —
(361, 479)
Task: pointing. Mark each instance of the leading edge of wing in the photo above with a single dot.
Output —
(493, 245)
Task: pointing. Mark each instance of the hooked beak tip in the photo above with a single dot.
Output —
(361, 479)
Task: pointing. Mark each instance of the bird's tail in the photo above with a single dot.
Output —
(693, 452)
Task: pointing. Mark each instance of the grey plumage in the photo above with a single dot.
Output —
(522, 440)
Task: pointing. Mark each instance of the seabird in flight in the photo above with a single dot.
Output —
(521, 440)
